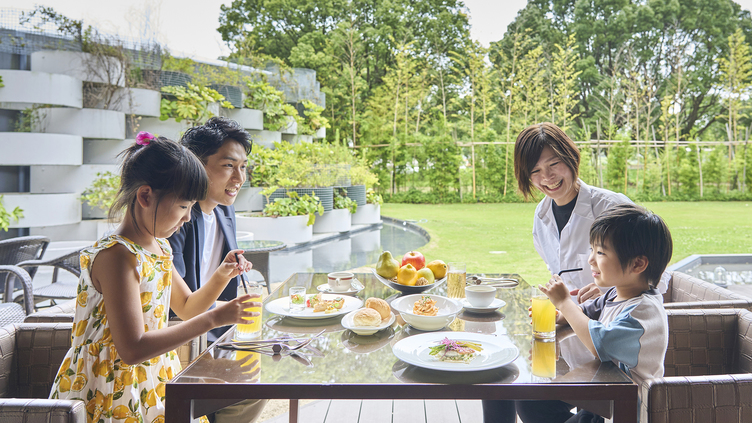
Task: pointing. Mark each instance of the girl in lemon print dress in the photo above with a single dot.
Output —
(122, 349)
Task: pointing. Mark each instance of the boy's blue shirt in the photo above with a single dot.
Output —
(632, 333)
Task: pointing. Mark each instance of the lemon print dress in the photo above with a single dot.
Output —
(92, 370)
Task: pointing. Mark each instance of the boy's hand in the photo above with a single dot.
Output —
(556, 291)
(586, 293)
(234, 264)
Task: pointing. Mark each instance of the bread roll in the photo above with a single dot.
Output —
(366, 317)
(379, 305)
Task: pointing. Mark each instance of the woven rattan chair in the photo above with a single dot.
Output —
(57, 290)
(708, 364)
(30, 357)
(13, 312)
(688, 292)
(16, 250)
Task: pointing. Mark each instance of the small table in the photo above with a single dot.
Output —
(257, 252)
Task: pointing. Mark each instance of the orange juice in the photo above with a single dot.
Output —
(544, 359)
(251, 364)
(250, 330)
(544, 317)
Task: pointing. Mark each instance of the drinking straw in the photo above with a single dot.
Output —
(570, 270)
(242, 274)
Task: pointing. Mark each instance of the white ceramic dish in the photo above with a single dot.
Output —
(405, 288)
(448, 309)
(497, 352)
(328, 289)
(347, 322)
(495, 305)
(281, 306)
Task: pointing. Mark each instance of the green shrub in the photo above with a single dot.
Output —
(6, 217)
(295, 205)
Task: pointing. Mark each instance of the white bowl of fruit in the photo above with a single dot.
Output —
(412, 275)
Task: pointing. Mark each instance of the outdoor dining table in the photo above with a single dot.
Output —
(344, 365)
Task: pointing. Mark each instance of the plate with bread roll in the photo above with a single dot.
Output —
(375, 316)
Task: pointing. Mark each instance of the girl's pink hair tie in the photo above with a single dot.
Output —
(144, 138)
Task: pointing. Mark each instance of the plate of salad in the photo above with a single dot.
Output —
(318, 306)
(456, 351)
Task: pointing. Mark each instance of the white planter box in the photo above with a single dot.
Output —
(367, 214)
(291, 128)
(266, 138)
(25, 89)
(290, 229)
(88, 212)
(247, 118)
(367, 242)
(281, 265)
(83, 66)
(337, 220)
(320, 133)
(66, 179)
(88, 123)
(90, 230)
(43, 209)
(98, 151)
(29, 149)
(295, 139)
(249, 200)
(137, 101)
(166, 128)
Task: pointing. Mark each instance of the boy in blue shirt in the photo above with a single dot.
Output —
(631, 248)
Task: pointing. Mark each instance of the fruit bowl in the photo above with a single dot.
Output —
(407, 289)
(448, 309)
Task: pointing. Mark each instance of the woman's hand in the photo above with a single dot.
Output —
(588, 292)
(233, 265)
(234, 311)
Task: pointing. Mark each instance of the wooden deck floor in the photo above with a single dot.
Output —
(387, 411)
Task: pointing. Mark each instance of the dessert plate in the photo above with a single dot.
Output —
(347, 322)
(495, 305)
(281, 306)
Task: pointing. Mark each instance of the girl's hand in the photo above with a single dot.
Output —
(234, 311)
(233, 265)
(556, 291)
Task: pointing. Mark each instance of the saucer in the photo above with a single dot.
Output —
(495, 305)
(352, 291)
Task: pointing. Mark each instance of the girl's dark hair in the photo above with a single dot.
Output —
(204, 140)
(529, 145)
(634, 231)
(164, 165)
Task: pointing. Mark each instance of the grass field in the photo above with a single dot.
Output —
(497, 238)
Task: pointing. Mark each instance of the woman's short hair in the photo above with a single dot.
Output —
(204, 140)
(529, 145)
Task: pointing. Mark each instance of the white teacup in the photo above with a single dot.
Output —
(480, 295)
(340, 281)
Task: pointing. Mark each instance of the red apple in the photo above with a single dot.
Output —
(415, 258)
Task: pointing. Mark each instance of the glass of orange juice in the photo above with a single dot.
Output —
(544, 358)
(544, 315)
(251, 330)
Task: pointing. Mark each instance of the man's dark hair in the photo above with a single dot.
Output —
(633, 231)
(204, 140)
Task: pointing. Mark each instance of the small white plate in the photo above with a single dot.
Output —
(281, 306)
(327, 289)
(415, 350)
(495, 305)
(347, 322)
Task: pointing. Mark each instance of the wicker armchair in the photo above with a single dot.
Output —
(57, 290)
(12, 312)
(708, 364)
(30, 357)
(688, 292)
(16, 250)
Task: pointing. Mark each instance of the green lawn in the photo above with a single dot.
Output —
(497, 238)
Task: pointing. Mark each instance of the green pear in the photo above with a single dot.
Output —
(387, 266)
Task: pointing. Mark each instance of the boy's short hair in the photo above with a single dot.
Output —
(529, 145)
(204, 140)
(634, 231)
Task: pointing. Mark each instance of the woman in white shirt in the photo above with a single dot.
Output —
(547, 159)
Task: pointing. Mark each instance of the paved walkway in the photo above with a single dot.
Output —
(387, 411)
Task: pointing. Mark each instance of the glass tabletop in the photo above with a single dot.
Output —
(340, 356)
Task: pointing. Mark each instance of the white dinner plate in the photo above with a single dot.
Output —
(328, 289)
(348, 323)
(281, 306)
(495, 305)
(496, 351)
